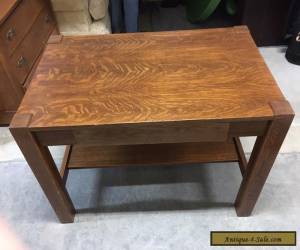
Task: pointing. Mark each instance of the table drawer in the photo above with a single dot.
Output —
(139, 133)
(14, 29)
(23, 58)
(154, 133)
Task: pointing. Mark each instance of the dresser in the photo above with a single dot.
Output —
(25, 26)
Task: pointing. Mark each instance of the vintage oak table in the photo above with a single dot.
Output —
(151, 98)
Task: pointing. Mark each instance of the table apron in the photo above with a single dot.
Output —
(154, 134)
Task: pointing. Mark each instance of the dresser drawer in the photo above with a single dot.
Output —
(25, 55)
(14, 29)
(10, 97)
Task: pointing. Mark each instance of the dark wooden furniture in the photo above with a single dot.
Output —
(153, 98)
(25, 26)
(266, 19)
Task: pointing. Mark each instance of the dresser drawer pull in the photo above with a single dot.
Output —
(10, 34)
(47, 18)
(21, 62)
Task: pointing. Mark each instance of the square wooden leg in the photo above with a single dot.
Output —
(44, 169)
(262, 158)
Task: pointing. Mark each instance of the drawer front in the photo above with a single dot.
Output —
(14, 29)
(10, 95)
(133, 134)
(177, 132)
(25, 55)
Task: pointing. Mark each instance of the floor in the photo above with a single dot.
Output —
(116, 212)
(176, 208)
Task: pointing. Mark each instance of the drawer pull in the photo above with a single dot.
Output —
(47, 19)
(21, 62)
(10, 34)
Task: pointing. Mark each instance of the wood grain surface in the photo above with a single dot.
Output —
(151, 77)
(25, 26)
(6, 7)
(20, 21)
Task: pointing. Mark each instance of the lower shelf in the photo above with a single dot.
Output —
(155, 154)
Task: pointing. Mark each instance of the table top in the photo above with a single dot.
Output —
(213, 74)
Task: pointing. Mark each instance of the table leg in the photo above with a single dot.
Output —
(44, 169)
(265, 150)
